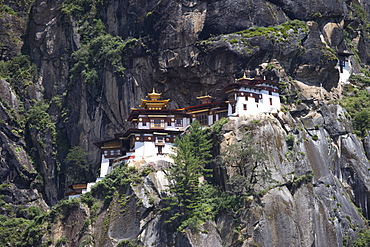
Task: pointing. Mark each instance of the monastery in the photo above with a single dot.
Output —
(154, 127)
(344, 66)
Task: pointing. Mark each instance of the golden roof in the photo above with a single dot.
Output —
(244, 78)
(154, 103)
(206, 99)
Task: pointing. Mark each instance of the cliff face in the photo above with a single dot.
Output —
(96, 61)
(309, 200)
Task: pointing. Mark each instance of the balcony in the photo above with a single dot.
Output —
(157, 124)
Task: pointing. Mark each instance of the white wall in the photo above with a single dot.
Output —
(347, 70)
(253, 107)
(104, 167)
(148, 149)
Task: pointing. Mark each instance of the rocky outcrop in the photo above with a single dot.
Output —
(11, 30)
(316, 211)
(309, 199)
(180, 45)
(20, 180)
(186, 49)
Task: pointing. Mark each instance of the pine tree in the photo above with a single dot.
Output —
(192, 154)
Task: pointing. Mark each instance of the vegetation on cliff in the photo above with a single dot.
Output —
(356, 101)
(20, 225)
(99, 50)
(72, 46)
(194, 201)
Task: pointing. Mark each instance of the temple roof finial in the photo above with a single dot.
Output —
(154, 95)
(154, 103)
(244, 77)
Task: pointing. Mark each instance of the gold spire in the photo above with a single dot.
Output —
(244, 78)
(154, 103)
(153, 95)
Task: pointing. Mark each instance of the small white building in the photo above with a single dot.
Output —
(344, 66)
(250, 97)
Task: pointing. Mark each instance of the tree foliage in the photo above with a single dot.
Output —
(357, 102)
(99, 50)
(20, 226)
(77, 165)
(245, 157)
(20, 72)
(363, 238)
(192, 153)
(192, 202)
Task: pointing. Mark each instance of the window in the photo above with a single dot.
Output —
(157, 123)
(112, 152)
(222, 114)
(270, 101)
(256, 99)
(244, 107)
(159, 141)
(203, 119)
(341, 65)
(270, 92)
(169, 123)
(233, 108)
(178, 123)
(144, 123)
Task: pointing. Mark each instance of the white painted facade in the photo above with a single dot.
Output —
(253, 101)
(146, 149)
(104, 167)
(175, 123)
(345, 70)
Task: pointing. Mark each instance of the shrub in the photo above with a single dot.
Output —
(361, 122)
(357, 103)
(290, 140)
(64, 208)
(118, 179)
(77, 167)
(363, 238)
(128, 243)
(38, 117)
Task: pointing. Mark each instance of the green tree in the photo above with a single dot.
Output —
(361, 122)
(357, 103)
(77, 166)
(192, 154)
(244, 156)
(363, 238)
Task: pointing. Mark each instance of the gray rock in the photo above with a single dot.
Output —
(335, 120)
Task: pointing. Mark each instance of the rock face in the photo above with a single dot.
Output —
(17, 174)
(307, 202)
(186, 49)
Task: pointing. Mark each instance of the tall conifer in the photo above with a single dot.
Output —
(192, 154)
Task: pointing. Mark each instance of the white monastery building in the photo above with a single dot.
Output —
(154, 127)
(250, 97)
(344, 66)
